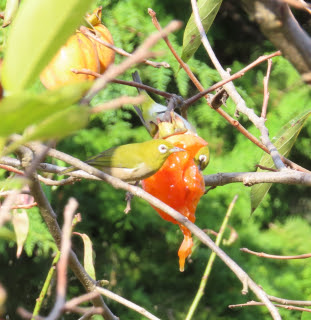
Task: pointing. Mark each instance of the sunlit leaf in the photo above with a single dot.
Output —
(88, 255)
(10, 12)
(192, 40)
(20, 222)
(57, 126)
(20, 110)
(284, 142)
(37, 32)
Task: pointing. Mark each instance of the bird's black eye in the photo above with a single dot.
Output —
(162, 148)
(202, 158)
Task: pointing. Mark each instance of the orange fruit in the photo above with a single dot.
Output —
(79, 52)
(105, 55)
(179, 184)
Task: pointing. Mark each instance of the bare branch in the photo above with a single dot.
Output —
(61, 287)
(266, 91)
(251, 178)
(117, 103)
(127, 83)
(255, 303)
(278, 24)
(127, 303)
(288, 301)
(273, 256)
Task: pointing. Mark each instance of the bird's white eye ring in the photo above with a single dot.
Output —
(202, 158)
(162, 148)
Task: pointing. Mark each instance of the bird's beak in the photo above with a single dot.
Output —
(176, 149)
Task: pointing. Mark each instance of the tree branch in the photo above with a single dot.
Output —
(278, 24)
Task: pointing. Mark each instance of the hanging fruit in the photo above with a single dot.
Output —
(79, 52)
(180, 184)
(105, 55)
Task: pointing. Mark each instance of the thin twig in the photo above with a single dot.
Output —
(81, 299)
(266, 93)
(288, 301)
(252, 178)
(117, 103)
(61, 287)
(235, 76)
(127, 303)
(124, 82)
(25, 206)
(265, 168)
(273, 256)
(120, 51)
(256, 303)
(210, 263)
(11, 169)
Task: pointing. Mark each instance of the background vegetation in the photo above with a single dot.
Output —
(137, 252)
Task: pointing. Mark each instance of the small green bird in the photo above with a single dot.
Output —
(132, 162)
(201, 159)
(150, 111)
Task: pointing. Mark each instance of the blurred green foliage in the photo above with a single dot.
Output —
(137, 252)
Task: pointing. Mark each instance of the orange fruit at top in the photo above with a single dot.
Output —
(179, 184)
(105, 54)
(79, 52)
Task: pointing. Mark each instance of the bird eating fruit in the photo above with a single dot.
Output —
(132, 162)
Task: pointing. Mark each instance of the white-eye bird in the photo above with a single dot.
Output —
(132, 162)
(201, 159)
(150, 111)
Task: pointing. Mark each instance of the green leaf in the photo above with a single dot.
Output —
(11, 8)
(37, 32)
(23, 109)
(56, 126)
(88, 255)
(59, 124)
(192, 40)
(284, 142)
(20, 222)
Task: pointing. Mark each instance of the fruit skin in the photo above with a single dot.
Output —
(79, 52)
(105, 55)
(180, 184)
(132, 162)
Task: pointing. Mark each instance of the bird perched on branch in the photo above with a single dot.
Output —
(151, 112)
(132, 162)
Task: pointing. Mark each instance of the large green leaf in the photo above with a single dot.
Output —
(36, 34)
(88, 255)
(56, 126)
(192, 40)
(23, 109)
(284, 142)
(59, 124)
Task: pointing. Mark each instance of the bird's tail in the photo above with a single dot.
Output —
(68, 170)
(136, 78)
